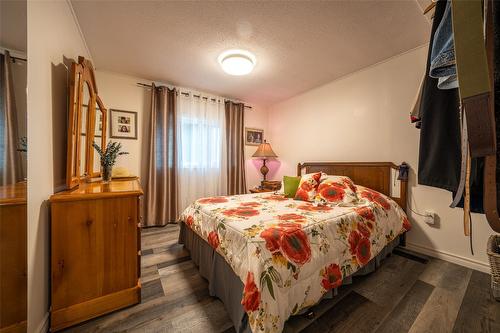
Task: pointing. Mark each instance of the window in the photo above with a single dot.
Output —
(201, 151)
(201, 143)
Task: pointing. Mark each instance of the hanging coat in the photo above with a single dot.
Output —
(440, 154)
(440, 135)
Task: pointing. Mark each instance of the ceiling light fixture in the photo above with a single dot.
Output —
(237, 62)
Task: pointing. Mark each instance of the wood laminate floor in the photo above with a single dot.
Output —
(406, 294)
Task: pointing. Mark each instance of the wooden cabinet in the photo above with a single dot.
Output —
(95, 249)
(13, 258)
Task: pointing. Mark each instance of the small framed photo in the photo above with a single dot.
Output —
(123, 124)
(253, 136)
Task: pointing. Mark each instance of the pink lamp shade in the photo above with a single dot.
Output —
(264, 151)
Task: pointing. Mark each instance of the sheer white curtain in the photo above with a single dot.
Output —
(202, 165)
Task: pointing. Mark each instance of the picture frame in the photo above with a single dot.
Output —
(123, 124)
(253, 136)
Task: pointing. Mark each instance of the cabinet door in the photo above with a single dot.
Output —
(94, 249)
(120, 239)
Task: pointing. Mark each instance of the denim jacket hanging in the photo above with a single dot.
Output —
(443, 65)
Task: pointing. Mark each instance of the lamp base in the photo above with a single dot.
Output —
(264, 169)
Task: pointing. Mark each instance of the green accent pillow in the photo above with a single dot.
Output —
(290, 185)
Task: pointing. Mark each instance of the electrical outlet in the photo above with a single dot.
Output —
(429, 217)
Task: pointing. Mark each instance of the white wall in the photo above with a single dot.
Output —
(53, 39)
(365, 117)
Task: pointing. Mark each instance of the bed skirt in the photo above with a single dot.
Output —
(224, 284)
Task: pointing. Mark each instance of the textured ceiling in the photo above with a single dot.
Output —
(298, 45)
(13, 25)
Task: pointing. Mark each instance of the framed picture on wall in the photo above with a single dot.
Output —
(253, 136)
(123, 124)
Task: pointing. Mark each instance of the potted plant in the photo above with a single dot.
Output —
(108, 158)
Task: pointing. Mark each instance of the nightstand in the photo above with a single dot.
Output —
(267, 186)
(260, 190)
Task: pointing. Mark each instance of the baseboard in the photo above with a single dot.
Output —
(44, 325)
(95, 307)
(459, 260)
(15, 328)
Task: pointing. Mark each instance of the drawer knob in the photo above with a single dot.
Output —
(89, 223)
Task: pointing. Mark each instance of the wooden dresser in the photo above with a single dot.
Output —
(13, 258)
(95, 251)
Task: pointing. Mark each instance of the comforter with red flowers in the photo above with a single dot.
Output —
(289, 253)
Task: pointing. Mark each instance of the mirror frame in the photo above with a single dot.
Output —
(89, 135)
(90, 158)
(72, 160)
(85, 69)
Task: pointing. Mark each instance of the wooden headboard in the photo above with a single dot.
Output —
(379, 176)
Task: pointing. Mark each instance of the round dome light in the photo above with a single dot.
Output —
(237, 62)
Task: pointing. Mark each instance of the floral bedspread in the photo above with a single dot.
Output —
(288, 253)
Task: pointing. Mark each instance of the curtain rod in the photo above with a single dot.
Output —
(14, 58)
(187, 94)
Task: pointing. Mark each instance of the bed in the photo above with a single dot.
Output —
(268, 257)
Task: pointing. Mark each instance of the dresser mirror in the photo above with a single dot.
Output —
(13, 168)
(13, 191)
(84, 115)
(86, 124)
(71, 164)
(99, 135)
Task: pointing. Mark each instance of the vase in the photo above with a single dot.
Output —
(106, 172)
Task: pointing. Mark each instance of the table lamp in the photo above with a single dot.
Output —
(264, 152)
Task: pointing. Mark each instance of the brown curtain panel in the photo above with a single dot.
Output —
(160, 200)
(235, 127)
(10, 159)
